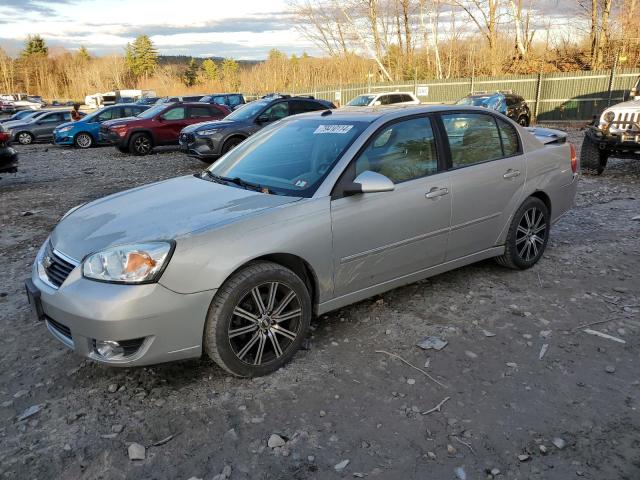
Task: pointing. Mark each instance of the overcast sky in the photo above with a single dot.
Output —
(242, 29)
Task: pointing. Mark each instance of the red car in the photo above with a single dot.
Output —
(160, 125)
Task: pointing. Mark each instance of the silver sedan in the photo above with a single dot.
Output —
(313, 213)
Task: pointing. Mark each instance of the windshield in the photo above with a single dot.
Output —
(291, 158)
(248, 111)
(361, 101)
(153, 111)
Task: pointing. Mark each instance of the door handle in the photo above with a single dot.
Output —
(436, 192)
(511, 173)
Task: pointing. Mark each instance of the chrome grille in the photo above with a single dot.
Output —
(56, 267)
(627, 120)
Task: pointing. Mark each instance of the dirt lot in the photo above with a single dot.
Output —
(573, 413)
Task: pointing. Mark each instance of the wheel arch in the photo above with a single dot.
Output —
(297, 265)
(544, 197)
(142, 130)
(239, 135)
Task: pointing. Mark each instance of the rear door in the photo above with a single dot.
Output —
(380, 237)
(169, 125)
(488, 171)
(46, 125)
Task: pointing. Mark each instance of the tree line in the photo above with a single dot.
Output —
(361, 40)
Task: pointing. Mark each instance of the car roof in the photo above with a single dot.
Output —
(371, 114)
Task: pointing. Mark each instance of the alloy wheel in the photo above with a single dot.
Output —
(265, 323)
(530, 234)
(83, 140)
(142, 145)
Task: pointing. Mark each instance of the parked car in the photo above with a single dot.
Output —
(210, 140)
(309, 215)
(375, 99)
(20, 115)
(37, 128)
(32, 115)
(8, 155)
(160, 125)
(148, 101)
(189, 98)
(513, 106)
(85, 133)
(7, 106)
(230, 100)
(616, 132)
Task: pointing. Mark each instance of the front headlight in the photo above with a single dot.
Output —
(64, 129)
(137, 263)
(206, 133)
(609, 117)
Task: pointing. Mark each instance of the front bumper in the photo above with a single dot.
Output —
(64, 138)
(158, 324)
(205, 148)
(111, 138)
(623, 142)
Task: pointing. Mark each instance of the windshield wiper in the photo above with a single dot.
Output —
(237, 181)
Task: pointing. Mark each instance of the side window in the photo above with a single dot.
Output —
(396, 98)
(385, 100)
(407, 98)
(219, 100)
(403, 151)
(473, 138)
(54, 117)
(234, 100)
(108, 114)
(202, 112)
(177, 113)
(129, 112)
(510, 140)
(65, 117)
(277, 111)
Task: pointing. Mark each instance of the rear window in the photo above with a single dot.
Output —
(202, 112)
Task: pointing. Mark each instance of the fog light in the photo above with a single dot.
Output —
(109, 349)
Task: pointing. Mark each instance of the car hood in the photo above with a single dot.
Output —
(628, 105)
(212, 124)
(159, 211)
(67, 124)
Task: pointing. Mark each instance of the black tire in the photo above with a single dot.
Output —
(527, 236)
(523, 121)
(592, 159)
(122, 149)
(25, 138)
(231, 143)
(140, 144)
(225, 345)
(83, 140)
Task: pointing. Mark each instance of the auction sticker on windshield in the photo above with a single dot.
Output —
(340, 129)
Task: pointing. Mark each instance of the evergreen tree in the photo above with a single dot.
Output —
(190, 77)
(35, 45)
(210, 69)
(83, 53)
(141, 56)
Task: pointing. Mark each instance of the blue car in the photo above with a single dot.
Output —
(85, 133)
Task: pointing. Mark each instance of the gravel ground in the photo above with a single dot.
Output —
(573, 413)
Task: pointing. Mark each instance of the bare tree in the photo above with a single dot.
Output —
(484, 13)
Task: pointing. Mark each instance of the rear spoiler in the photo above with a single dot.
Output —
(548, 136)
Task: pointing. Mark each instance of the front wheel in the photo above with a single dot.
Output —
(231, 144)
(527, 236)
(592, 159)
(140, 144)
(257, 320)
(83, 140)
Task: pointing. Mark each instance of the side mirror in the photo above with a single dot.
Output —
(377, 103)
(263, 119)
(370, 182)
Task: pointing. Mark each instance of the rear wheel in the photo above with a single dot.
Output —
(122, 149)
(257, 320)
(140, 144)
(83, 140)
(231, 143)
(527, 236)
(592, 159)
(25, 138)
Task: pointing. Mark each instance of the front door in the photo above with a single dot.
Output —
(488, 171)
(378, 237)
(170, 123)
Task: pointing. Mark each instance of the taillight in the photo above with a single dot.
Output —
(574, 158)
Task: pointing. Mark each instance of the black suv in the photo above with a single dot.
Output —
(210, 140)
(231, 100)
(513, 106)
